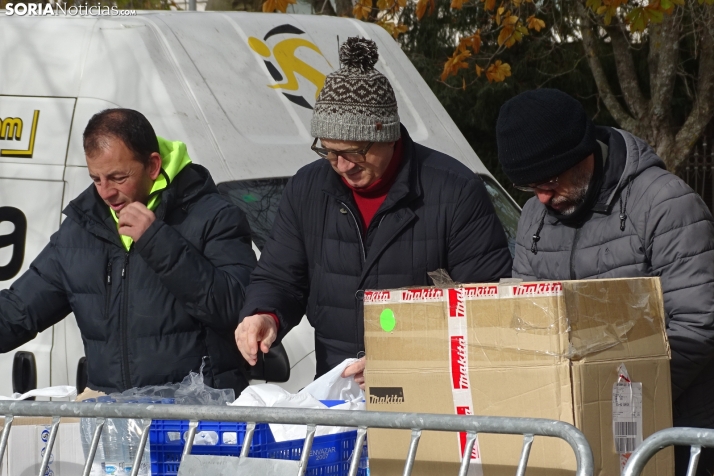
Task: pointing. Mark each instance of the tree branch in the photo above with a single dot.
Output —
(626, 71)
(344, 8)
(619, 113)
(703, 108)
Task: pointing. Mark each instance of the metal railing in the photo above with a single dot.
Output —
(697, 438)
(416, 422)
(698, 171)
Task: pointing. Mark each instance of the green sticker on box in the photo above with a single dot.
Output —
(387, 321)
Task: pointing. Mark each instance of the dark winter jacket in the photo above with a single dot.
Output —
(436, 215)
(668, 232)
(148, 316)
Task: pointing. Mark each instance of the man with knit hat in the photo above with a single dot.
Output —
(606, 207)
(375, 211)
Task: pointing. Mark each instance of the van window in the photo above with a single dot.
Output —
(259, 200)
(506, 210)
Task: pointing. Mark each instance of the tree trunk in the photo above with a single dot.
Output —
(650, 119)
(323, 7)
(590, 44)
(344, 8)
(662, 62)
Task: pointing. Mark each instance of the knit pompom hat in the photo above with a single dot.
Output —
(357, 102)
(541, 134)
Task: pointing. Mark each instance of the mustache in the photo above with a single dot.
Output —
(559, 200)
(567, 204)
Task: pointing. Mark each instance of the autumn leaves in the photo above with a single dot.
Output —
(508, 23)
(637, 16)
(385, 14)
(270, 6)
(495, 72)
(497, 25)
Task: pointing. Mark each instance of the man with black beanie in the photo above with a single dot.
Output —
(606, 207)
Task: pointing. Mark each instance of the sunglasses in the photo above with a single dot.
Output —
(546, 186)
(354, 156)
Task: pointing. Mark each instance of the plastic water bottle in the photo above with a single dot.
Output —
(87, 426)
(114, 428)
(132, 441)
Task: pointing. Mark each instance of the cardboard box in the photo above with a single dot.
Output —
(28, 440)
(546, 350)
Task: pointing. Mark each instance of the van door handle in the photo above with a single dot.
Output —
(24, 372)
(82, 375)
(16, 239)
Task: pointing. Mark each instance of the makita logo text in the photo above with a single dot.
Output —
(457, 302)
(386, 395)
(377, 296)
(481, 292)
(463, 435)
(530, 289)
(423, 294)
(459, 363)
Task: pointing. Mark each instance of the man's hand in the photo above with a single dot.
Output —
(258, 330)
(356, 370)
(134, 220)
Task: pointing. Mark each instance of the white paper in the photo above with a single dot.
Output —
(331, 386)
(626, 415)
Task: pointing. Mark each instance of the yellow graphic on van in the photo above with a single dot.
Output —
(291, 66)
(11, 128)
(285, 56)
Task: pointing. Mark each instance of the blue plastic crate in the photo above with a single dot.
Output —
(167, 439)
(330, 454)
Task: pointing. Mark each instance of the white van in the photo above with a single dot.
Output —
(238, 88)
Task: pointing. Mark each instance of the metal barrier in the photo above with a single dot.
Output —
(694, 437)
(416, 422)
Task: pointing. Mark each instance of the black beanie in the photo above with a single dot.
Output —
(541, 134)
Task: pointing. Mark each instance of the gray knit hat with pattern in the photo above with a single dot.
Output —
(357, 102)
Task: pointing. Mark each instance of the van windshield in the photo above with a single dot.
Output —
(259, 200)
(506, 210)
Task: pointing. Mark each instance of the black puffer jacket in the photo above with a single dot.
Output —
(436, 215)
(147, 317)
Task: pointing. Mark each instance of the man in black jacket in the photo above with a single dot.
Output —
(151, 260)
(376, 211)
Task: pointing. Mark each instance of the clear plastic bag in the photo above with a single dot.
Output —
(191, 391)
(121, 437)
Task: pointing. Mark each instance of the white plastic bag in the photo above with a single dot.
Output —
(60, 391)
(331, 386)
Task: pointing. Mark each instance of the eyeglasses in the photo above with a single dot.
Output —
(354, 156)
(546, 186)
